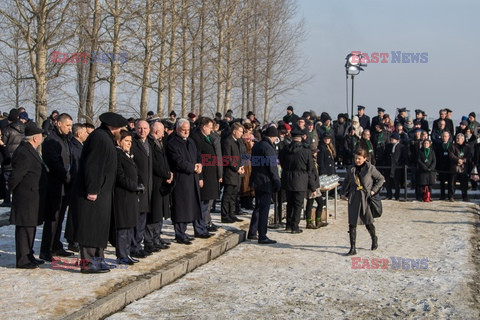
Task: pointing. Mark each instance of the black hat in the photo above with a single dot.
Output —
(380, 109)
(290, 108)
(32, 129)
(418, 111)
(113, 119)
(326, 135)
(250, 113)
(173, 113)
(472, 114)
(395, 136)
(342, 115)
(359, 107)
(448, 110)
(150, 113)
(271, 132)
(13, 115)
(218, 115)
(402, 110)
(297, 132)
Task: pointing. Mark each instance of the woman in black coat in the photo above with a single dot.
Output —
(426, 163)
(326, 156)
(362, 181)
(126, 201)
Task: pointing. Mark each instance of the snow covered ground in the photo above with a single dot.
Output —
(307, 276)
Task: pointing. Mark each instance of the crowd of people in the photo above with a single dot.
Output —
(121, 180)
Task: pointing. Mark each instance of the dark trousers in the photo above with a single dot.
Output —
(259, 221)
(69, 228)
(139, 232)
(6, 176)
(152, 234)
(180, 229)
(206, 206)
(90, 253)
(463, 179)
(229, 198)
(318, 211)
(449, 178)
(200, 225)
(124, 240)
(393, 183)
(294, 208)
(52, 230)
(24, 239)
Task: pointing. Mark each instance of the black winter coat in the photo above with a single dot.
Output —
(56, 152)
(76, 151)
(161, 191)
(126, 201)
(209, 174)
(145, 171)
(461, 152)
(28, 183)
(12, 136)
(426, 174)
(264, 176)
(231, 153)
(182, 156)
(96, 175)
(396, 160)
(297, 167)
(325, 160)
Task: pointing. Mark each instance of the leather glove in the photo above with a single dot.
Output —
(141, 188)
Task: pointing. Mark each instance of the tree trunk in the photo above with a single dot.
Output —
(162, 68)
(112, 104)
(172, 63)
(147, 60)
(92, 68)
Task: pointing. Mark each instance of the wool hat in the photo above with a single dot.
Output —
(297, 132)
(113, 119)
(290, 108)
(271, 132)
(23, 115)
(395, 136)
(13, 115)
(472, 114)
(32, 129)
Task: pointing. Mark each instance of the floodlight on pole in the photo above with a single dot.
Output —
(353, 66)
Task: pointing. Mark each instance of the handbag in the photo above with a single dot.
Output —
(375, 205)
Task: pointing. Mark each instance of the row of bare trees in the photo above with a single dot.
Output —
(132, 56)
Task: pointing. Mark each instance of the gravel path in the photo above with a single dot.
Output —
(307, 276)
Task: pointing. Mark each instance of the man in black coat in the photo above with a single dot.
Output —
(28, 183)
(185, 163)
(56, 151)
(233, 169)
(162, 186)
(460, 164)
(79, 135)
(209, 179)
(297, 167)
(443, 167)
(377, 119)
(266, 181)
(49, 124)
(142, 155)
(93, 191)
(448, 122)
(290, 118)
(396, 155)
(363, 119)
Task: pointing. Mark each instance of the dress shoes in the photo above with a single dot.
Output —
(184, 241)
(126, 261)
(74, 247)
(138, 254)
(90, 268)
(236, 219)
(151, 249)
(297, 231)
(252, 238)
(203, 236)
(164, 241)
(190, 238)
(29, 265)
(162, 246)
(266, 241)
(36, 261)
(46, 257)
(228, 220)
(62, 253)
(212, 228)
(133, 259)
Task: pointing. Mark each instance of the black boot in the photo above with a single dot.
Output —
(352, 230)
(371, 230)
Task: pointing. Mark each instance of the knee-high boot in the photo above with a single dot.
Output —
(352, 230)
(371, 230)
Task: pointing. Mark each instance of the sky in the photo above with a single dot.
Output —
(446, 30)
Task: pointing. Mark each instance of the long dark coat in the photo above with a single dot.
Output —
(460, 152)
(28, 183)
(126, 201)
(209, 170)
(371, 180)
(182, 156)
(145, 171)
(325, 160)
(426, 174)
(231, 152)
(297, 165)
(161, 193)
(56, 152)
(96, 175)
(265, 176)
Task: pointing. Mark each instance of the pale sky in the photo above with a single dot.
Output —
(447, 30)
